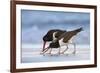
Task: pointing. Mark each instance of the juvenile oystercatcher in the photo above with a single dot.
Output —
(63, 40)
(49, 36)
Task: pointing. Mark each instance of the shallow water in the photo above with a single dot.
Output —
(32, 55)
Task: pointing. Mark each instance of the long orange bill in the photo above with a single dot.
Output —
(44, 46)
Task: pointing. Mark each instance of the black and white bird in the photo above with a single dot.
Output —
(49, 36)
(63, 39)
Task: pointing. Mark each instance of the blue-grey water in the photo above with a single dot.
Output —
(32, 55)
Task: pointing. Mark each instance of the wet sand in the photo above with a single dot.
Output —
(30, 55)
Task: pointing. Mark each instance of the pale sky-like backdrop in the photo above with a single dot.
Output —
(36, 23)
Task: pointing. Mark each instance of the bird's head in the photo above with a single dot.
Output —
(46, 39)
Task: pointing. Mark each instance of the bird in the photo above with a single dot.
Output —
(64, 39)
(48, 37)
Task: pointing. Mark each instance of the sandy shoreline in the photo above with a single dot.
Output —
(33, 55)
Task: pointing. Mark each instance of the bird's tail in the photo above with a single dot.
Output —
(79, 29)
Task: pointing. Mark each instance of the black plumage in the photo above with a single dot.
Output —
(66, 35)
(49, 36)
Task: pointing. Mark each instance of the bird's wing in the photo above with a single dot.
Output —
(67, 37)
(62, 35)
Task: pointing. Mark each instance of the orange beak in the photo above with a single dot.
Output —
(44, 46)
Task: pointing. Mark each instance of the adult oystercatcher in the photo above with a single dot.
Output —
(63, 40)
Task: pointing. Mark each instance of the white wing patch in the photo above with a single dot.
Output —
(54, 38)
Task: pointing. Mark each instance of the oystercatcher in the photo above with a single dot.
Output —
(49, 36)
(64, 39)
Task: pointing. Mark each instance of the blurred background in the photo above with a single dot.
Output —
(36, 23)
